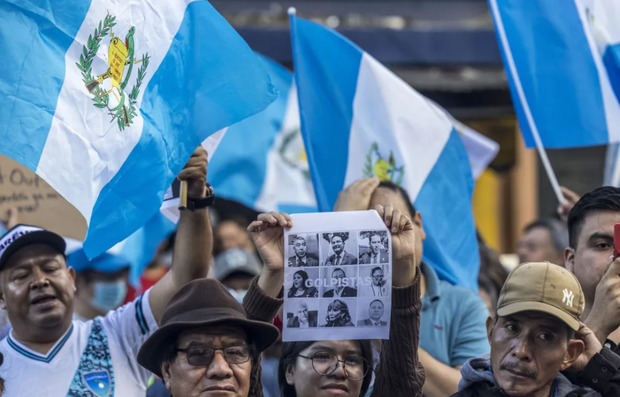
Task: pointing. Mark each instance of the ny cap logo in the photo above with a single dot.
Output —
(568, 297)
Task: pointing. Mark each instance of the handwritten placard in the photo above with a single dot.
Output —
(37, 203)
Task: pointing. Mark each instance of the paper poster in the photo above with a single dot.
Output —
(337, 277)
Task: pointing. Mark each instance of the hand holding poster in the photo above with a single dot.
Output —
(338, 273)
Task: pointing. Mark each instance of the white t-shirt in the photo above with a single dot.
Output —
(93, 358)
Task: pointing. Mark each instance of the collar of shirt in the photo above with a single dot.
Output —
(433, 287)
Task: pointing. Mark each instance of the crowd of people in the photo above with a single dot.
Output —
(207, 317)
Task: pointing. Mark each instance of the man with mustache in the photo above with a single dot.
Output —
(535, 335)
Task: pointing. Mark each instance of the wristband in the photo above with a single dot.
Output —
(196, 203)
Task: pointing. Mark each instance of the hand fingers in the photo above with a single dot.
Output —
(569, 194)
(369, 185)
(255, 226)
(387, 216)
(613, 270)
(275, 218)
(380, 210)
(283, 219)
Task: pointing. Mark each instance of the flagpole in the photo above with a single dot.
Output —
(526, 108)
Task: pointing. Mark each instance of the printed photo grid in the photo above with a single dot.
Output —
(338, 279)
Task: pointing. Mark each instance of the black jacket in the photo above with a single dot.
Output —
(601, 374)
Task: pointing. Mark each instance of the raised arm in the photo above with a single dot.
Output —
(263, 300)
(194, 239)
(399, 372)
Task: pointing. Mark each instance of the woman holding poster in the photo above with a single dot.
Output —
(329, 368)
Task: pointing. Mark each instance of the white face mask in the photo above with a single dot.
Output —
(108, 295)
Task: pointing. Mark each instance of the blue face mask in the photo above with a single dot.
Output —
(108, 295)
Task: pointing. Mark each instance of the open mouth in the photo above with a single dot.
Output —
(42, 299)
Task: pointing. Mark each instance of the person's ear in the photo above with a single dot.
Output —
(569, 259)
(573, 351)
(490, 324)
(417, 220)
(71, 272)
(290, 375)
(165, 373)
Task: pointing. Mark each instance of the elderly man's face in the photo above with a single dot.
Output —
(219, 378)
(337, 244)
(375, 312)
(375, 244)
(528, 349)
(37, 289)
(300, 247)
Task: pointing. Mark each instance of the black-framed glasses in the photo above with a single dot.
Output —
(201, 356)
(325, 363)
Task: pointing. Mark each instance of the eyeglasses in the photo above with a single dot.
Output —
(324, 363)
(201, 356)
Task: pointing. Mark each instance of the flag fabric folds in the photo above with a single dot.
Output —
(107, 101)
(358, 120)
(261, 162)
(563, 65)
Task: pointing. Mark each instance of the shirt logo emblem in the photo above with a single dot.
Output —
(568, 297)
(98, 382)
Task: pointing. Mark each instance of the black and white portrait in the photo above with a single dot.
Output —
(303, 250)
(339, 249)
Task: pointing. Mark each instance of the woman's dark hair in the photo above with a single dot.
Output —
(290, 351)
(304, 276)
(343, 319)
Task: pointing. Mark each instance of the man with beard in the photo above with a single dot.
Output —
(340, 256)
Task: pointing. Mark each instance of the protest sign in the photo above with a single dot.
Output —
(338, 273)
(36, 202)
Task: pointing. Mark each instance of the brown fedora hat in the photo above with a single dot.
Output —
(202, 302)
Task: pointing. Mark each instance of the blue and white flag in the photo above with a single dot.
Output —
(106, 100)
(358, 119)
(562, 59)
(261, 161)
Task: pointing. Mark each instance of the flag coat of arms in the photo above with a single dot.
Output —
(359, 119)
(261, 162)
(562, 59)
(106, 100)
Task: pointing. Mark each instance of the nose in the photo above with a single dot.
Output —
(521, 349)
(219, 367)
(39, 278)
(339, 373)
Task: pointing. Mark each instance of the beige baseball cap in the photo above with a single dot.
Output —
(542, 287)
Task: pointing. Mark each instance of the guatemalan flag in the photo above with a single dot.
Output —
(106, 100)
(563, 64)
(261, 161)
(358, 120)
